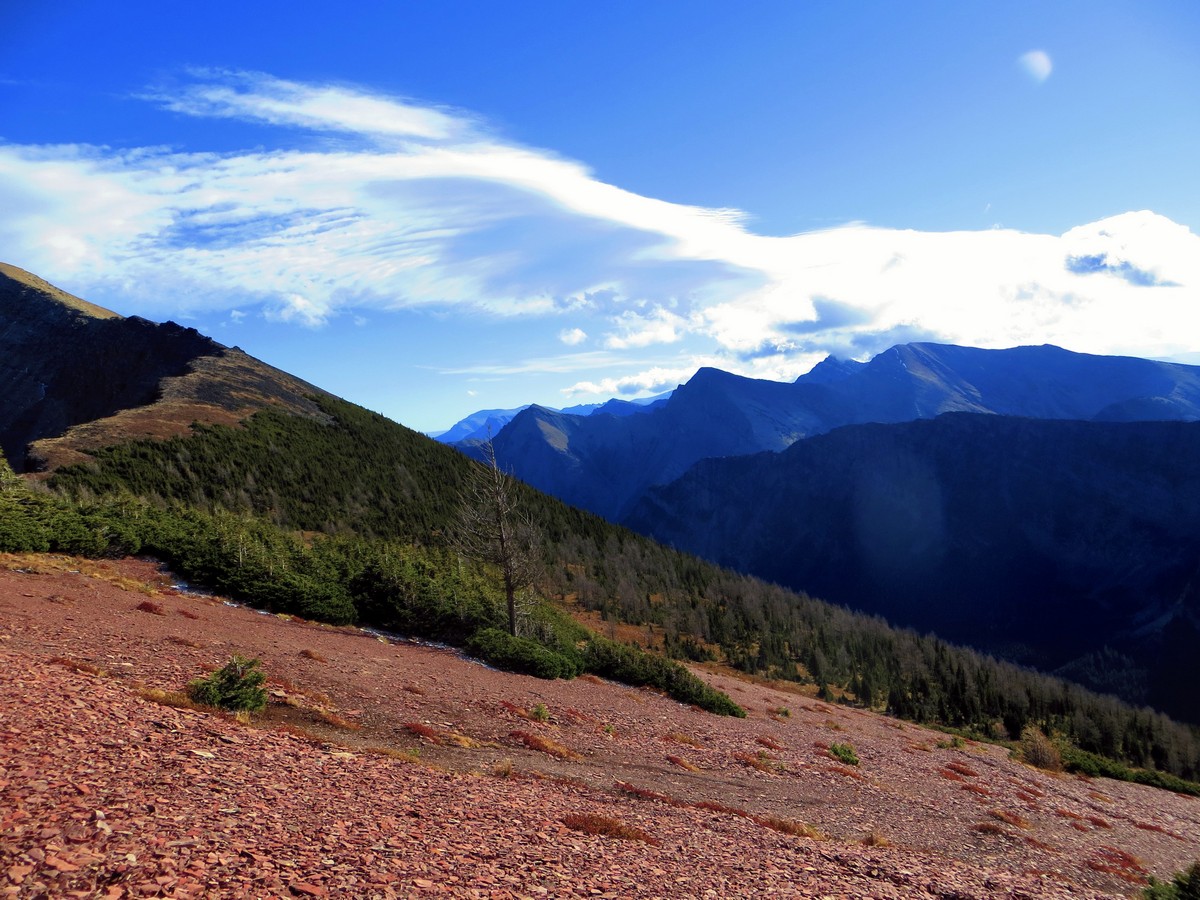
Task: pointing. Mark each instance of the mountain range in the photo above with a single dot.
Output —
(482, 425)
(1033, 502)
(605, 465)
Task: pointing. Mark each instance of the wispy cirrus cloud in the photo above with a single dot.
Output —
(370, 202)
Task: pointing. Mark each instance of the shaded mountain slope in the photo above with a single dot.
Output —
(604, 464)
(75, 376)
(1043, 541)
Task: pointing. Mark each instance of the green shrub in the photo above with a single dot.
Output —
(1184, 886)
(521, 654)
(845, 753)
(1095, 766)
(236, 687)
(632, 665)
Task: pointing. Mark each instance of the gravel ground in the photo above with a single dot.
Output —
(106, 793)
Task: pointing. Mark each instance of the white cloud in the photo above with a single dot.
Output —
(651, 381)
(248, 95)
(572, 336)
(1036, 64)
(415, 206)
(635, 330)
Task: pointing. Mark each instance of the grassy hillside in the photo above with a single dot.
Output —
(377, 503)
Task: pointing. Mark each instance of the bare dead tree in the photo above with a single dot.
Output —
(492, 528)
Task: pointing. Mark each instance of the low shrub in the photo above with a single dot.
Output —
(1010, 818)
(845, 753)
(682, 763)
(521, 654)
(543, 745)
(632, 665)
(790, 826)
(1082, 762)
(1039, 751)
(603, 826)
(238, 686)
(1184, 886)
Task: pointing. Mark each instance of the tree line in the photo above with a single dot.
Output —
(382, 500)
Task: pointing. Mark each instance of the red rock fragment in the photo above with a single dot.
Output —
(310, 890)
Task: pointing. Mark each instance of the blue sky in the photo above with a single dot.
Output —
(431, 208)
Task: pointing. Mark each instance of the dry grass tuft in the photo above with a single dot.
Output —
(875, 839)
(990, 828)
(1116, 862)
(769, 742)
(333, 719)
(537, 713)
(151, 607)
(978, 789)
(543, 745)
(849, 772)
(313, 655)
(1010, 818)
(962, 769)
(761, 761)
(174, 699)
(1067, 814)
(1079, 826)
(394, 753)
(686, 739)
(1041, 845)
(644, 793)
(951, 775)
(791, 826)
(427, 732)
(1099, 822)
(297, 732)
(79, 665)
(603, 826)
(1158, 829)
(682, 763)
(1039, 751)
(712, 806)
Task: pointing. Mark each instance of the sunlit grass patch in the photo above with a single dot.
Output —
(603, 826)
